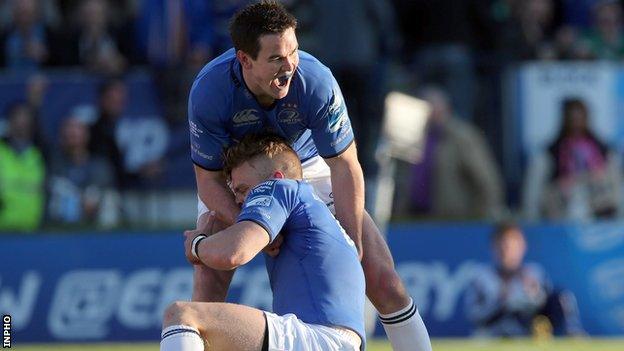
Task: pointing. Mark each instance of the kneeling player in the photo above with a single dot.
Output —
(317, 280)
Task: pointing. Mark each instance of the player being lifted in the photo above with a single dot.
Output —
(265, 83)
(317, 280)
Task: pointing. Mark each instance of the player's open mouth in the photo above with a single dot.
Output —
(282, 81)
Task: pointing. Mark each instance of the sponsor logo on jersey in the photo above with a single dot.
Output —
(196, 131)
(260, 201)
(246, 117)
(337, 113)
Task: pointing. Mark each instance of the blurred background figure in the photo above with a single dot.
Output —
(25, 43)
(92, 41)
(112, 99)
(457, 177)
(22, 173)
(133, 146)
(357, 40)
(505, 299)
(81, 185)
(438, 44)
(579, 178)
(605, 39)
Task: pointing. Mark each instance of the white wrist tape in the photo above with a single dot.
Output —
(195, 244)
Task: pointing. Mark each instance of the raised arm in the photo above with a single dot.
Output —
(348, 189)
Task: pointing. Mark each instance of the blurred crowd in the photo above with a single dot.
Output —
(450, 53)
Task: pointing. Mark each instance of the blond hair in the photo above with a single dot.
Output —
(270, 148)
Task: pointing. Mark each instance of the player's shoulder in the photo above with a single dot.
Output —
(214, 79)
(316, 78)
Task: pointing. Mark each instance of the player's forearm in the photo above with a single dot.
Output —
(220, 200)
(233, 246)
(348, 190)
(213, 192)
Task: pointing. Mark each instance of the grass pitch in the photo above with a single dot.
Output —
(382, 345)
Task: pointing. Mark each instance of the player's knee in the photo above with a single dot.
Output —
(177, 313)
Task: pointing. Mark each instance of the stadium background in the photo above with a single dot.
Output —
(109, 279)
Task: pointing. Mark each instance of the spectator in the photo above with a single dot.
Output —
(22, 173)
(605, 40)
(529, 33)
(176, 38)
(438, 36)
(134, 146)
(505, 299)
(172, 33)
(355, 39)
(81, 185)
(36, 89)
(49, 12)
(92, 42)
(25, 44)
(112, 98)
(578, 178)
(457, 176)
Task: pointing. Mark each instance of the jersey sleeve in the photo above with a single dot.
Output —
(331, 126)
(207, 131)
(269, 205)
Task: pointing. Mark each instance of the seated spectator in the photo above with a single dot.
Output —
(578, 178)
(25, 44)
(457, 177)
(81, 186)
(92, 42)
(606, 39)
(22, 173)
(508, 298)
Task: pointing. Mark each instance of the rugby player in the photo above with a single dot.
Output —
(317, 280)
(265, 83)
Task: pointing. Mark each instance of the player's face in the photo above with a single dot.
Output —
(272, 71)
(243, 179)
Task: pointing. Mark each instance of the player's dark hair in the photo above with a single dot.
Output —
(502, 229)
(271, 146)
(253, 21)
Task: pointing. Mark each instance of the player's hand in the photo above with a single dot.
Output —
(273, 248)
(188, 242)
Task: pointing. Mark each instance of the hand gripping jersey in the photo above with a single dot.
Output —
(317, 274)
(312, 117)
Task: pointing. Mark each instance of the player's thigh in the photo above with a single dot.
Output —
(287, 332)
(226, 326)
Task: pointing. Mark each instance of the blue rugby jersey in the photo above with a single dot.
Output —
(221, 110)
(317, 274)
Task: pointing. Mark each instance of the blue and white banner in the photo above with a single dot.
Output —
(96, 287)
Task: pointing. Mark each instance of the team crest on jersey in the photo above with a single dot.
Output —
(246, 117)
(289, 115)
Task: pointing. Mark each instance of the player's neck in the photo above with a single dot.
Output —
(263, 99)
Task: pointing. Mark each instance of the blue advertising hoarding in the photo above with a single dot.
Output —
(96, 287)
